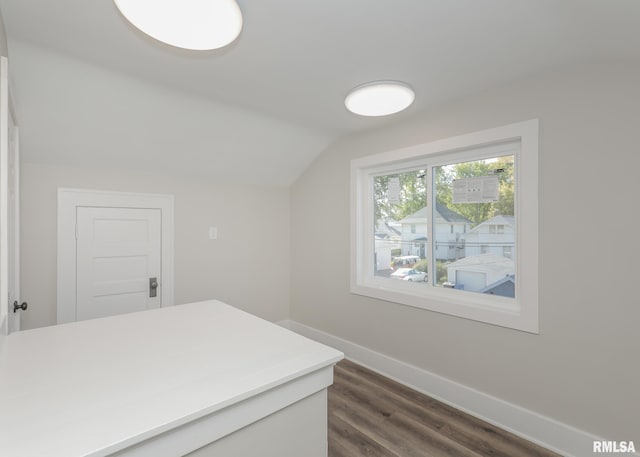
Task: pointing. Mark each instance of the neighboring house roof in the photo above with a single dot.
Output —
(420, 216)
(504, 287)
(500, 219)
(391, 228)
(495, 285)
(483, 262)
(387, 228)
(449, 215)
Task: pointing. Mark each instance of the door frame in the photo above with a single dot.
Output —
(9, 319)
(68, 201)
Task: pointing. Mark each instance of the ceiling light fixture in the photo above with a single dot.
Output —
(379, 98)
(190, 24)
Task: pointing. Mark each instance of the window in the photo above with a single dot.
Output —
(485, 180)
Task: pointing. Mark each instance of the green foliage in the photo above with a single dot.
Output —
(422, 265)
(413, 195)
(506, 204)
(441, 271)
(477, 212)
(413, 191)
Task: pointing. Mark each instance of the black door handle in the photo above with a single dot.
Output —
(16, 306)
(153, 287)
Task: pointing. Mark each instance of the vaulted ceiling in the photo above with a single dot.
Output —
(295, 61)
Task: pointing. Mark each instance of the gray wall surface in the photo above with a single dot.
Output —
(79, 114)
(3, 38)
(247, 266)
(582, 369)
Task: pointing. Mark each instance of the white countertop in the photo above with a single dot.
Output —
(93, 387)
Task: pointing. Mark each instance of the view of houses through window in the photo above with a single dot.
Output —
(471, 245)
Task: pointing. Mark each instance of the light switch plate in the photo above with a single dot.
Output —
(213, 233)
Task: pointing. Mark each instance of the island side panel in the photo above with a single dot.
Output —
(297, 430)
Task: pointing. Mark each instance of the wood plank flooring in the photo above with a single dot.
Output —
(373, 416)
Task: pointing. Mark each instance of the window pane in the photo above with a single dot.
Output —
(476, 198)
(400, 226)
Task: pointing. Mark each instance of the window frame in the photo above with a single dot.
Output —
(521, 312)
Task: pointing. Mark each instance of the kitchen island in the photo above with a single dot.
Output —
(202, 378)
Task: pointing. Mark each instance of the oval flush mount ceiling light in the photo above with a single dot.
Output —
(379, 98)
(190, 24)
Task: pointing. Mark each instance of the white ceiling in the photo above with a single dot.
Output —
(295, 60)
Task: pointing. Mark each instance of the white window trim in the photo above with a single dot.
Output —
(520, 313)
(68, 201)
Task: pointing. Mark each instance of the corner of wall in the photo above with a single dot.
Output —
(532, 426)
(4, 49)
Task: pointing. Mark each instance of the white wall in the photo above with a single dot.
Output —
(582, 369)
(3, 38)
(78, 114)
(248, 266)
(83, 126)
(3, 51)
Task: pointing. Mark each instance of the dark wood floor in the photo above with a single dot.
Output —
(373, 416)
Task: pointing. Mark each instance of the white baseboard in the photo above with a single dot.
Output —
(549, 433)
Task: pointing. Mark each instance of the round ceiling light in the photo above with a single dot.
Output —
(190, 24)
(379, 98)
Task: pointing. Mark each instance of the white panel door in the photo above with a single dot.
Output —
(118, 255)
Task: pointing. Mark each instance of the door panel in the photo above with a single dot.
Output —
(118, 250)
